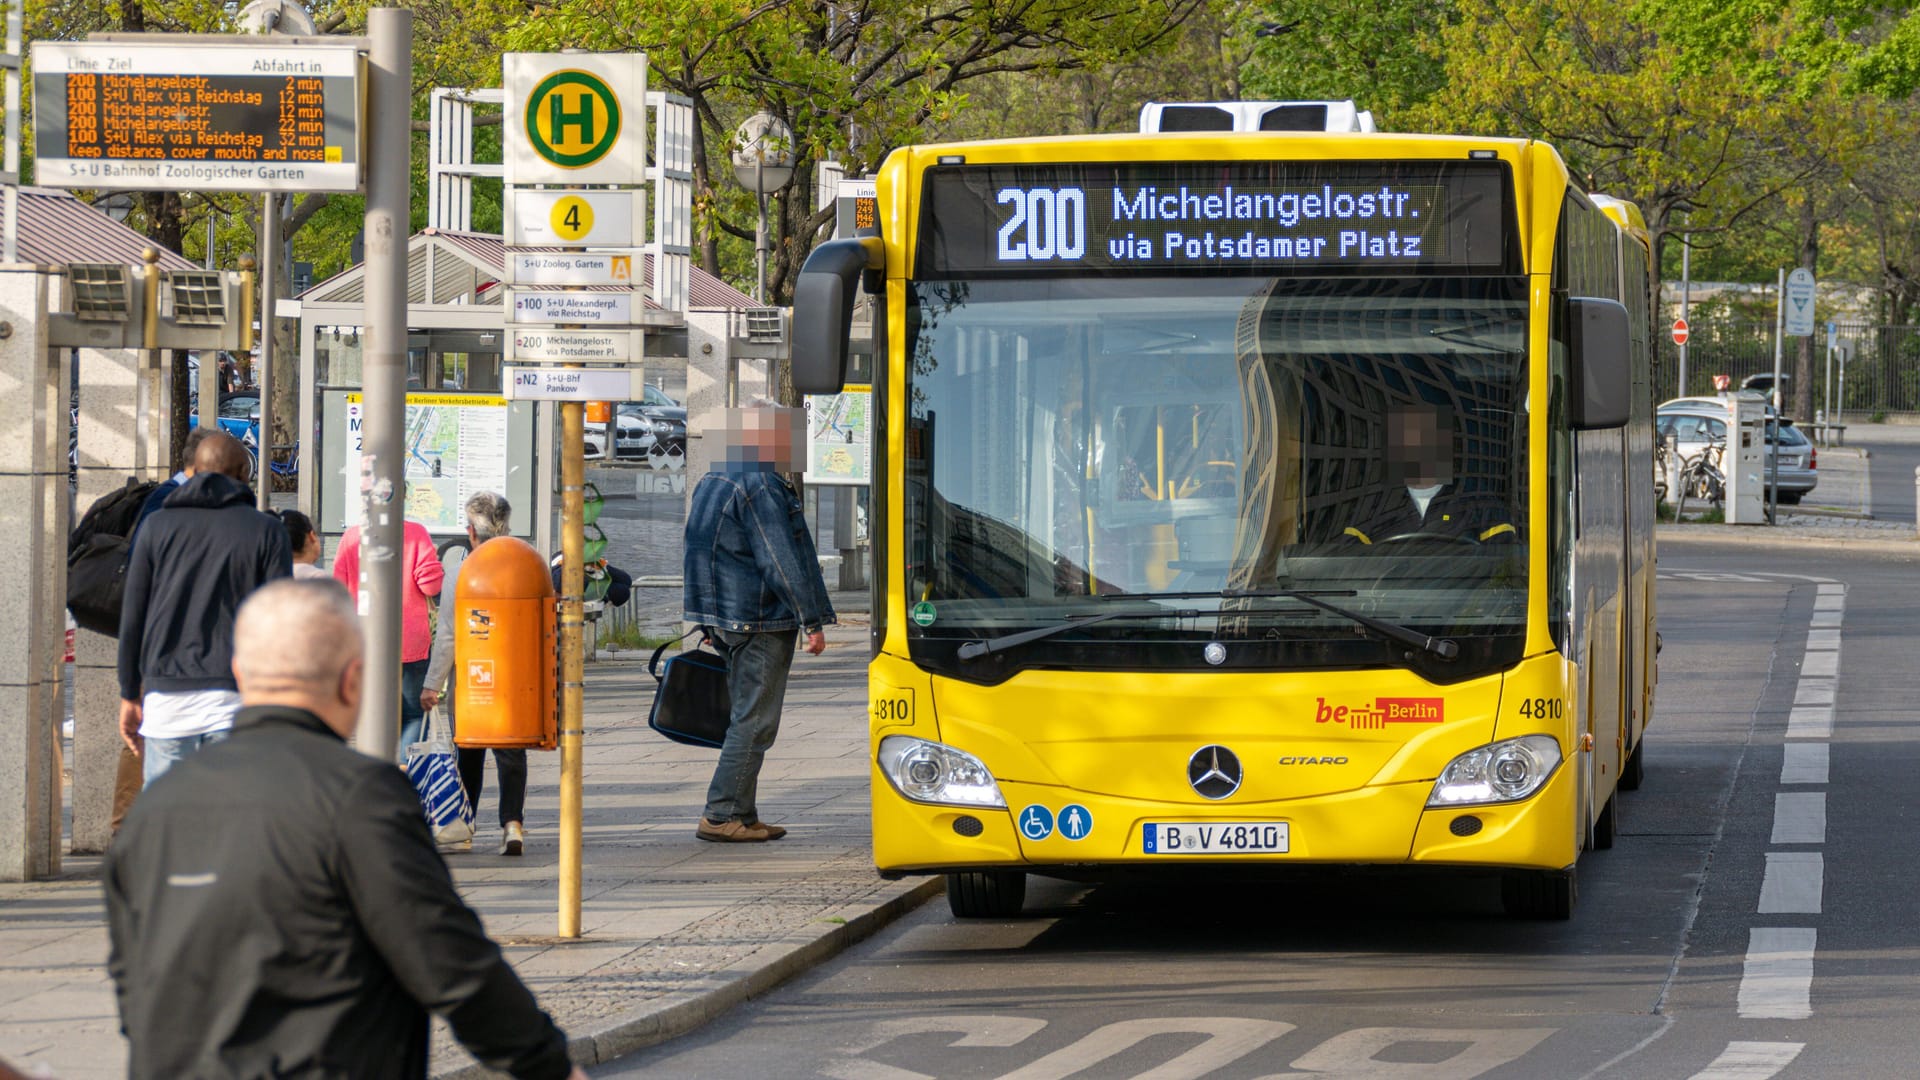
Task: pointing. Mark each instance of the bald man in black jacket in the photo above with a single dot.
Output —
(275, 904)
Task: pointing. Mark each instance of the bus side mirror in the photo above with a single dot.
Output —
(1602, 369)
(823, 311)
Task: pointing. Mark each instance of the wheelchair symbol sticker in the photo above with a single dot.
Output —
(1036, 822)
(1076, 821)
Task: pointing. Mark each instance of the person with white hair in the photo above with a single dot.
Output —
(488, 516)
(275, 904)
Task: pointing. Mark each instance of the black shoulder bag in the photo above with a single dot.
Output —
(691, 704)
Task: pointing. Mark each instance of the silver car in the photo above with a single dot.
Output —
(1695, 426)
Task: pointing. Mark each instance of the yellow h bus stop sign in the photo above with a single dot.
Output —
(575, 118)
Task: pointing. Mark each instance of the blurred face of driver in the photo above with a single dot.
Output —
(1419, 446)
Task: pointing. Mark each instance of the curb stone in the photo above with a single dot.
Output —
(678, 1014)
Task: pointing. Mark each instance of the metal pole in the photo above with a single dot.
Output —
(1826, 395)
(382, 462)
(269, 273)
(760, 246)
(1686, 301)
(9, 232)
(1779, 339)
(572, 670)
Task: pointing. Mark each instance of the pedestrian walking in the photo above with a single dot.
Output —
(752, 579)
(305, 544)
(191, 566)
(488, 516)
(275, 906)
(158, 496)
(421, 576)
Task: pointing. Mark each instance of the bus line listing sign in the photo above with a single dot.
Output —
(169, 116)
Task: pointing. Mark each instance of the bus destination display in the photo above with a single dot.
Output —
(1224, 217)
(220, 117)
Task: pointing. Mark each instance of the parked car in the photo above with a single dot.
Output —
(1694, 426)
(655, 424)
(239, 415)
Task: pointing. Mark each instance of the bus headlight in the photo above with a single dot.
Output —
(1506, 771)
(932, 772)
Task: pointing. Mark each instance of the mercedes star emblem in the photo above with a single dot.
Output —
(1215, 653)
(1214, 772)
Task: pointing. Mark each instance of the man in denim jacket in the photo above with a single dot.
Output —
(753, 581)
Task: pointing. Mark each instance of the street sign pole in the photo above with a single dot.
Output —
(382, 479)
(1779, 339)
(1686, 297)
(566, 117)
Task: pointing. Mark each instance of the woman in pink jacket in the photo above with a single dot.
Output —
(421, 576)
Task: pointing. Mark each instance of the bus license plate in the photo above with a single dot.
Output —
(1215, 838)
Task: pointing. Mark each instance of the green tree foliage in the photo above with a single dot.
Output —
(1374, 53)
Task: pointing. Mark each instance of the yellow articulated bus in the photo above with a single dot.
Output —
(1249, 499)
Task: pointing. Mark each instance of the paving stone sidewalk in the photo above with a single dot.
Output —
(675, 930)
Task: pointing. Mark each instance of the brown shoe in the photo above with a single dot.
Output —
(774, 832)
(732, 832)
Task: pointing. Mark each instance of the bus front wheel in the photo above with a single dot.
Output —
(986, 894)
(1538, 894)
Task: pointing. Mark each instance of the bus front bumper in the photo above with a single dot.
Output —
(1388, 825)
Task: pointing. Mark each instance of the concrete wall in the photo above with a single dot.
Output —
(33, 573)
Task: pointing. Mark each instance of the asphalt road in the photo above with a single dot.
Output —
(1755, 918)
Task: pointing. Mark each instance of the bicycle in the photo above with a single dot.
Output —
(283, 463)
(1701, 478)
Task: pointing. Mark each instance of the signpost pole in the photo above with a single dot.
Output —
(1779, 341)
(269, 263)
(1686, 299)
(382, 461)
(572, 665)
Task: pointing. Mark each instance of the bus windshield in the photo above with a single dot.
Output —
(1080, 445)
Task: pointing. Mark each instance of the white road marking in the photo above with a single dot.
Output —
(1824, 619)
(1827, 601)
(1800, 817)
(1777, 980)
(1751, 1061)
(1833, 590)
(1821, 665)
(1822, 639)
(1810, 722)
(1805, 763)
(1793, 883)
(1813, 692)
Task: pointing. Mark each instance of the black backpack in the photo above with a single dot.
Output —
(97, 557)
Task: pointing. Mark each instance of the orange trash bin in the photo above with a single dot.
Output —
(503, 649)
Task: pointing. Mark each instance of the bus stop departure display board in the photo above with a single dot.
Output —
(1217, 217)
(174, 117)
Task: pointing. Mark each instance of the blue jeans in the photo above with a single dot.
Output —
(413, 718)
(161, 754)
(757, 666)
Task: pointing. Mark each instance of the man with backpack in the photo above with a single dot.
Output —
(191, 566)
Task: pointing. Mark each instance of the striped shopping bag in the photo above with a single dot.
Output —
(435, 773)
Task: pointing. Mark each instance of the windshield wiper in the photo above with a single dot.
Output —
(974, 650)
(1444, 648)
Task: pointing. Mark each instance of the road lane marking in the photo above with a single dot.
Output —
(1827, 601)
(1805, 763)
(1810, 722)
(1800, 817)
(1793, 883)
(1751, 1061)
(1813, 692)
(1818, 640)
(1823, 620)
(1777, 980)
(1835, 589)
(1823, 665)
